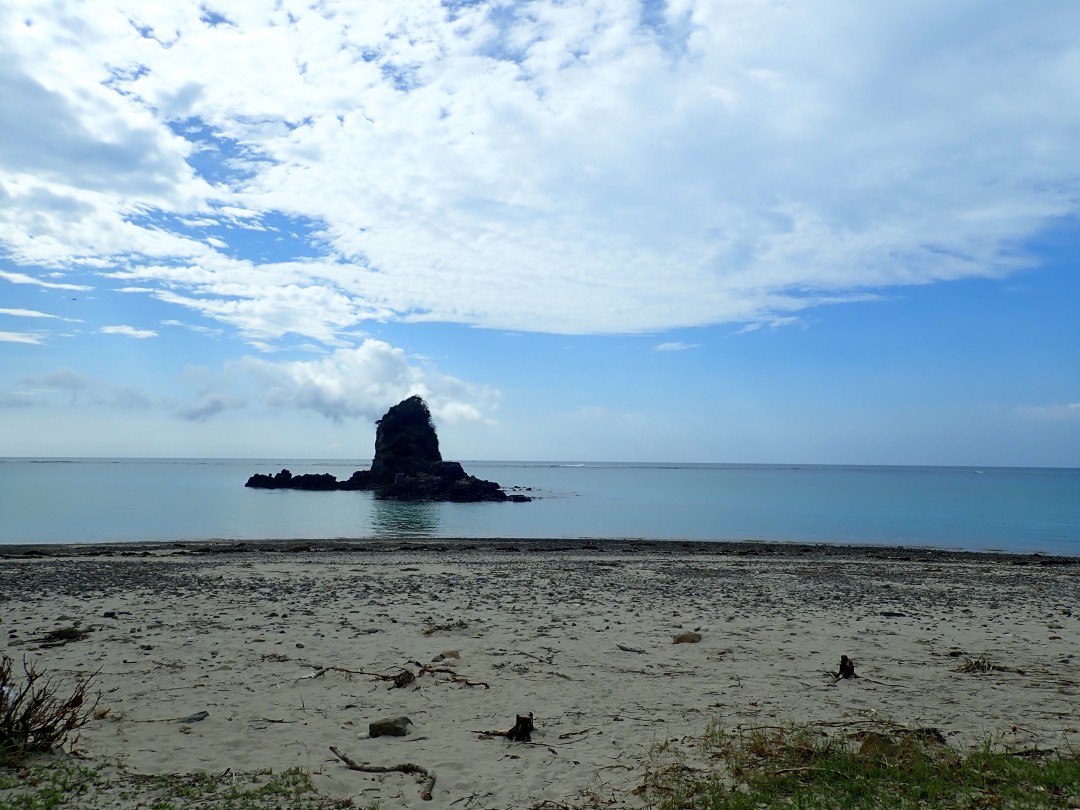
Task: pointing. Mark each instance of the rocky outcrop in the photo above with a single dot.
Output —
(407, 466)
(286, 480)
(405, 442)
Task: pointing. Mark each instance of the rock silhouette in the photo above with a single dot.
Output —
(407, 465)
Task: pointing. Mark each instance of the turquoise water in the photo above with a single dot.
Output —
(109, 500)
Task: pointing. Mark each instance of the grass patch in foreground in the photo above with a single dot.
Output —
(886, 768)
(63, 784)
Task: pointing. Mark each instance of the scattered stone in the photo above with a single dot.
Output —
(689, 637)
(390, 727)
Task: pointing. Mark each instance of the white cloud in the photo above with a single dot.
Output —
(19, 337)
(675, 346)
(357, 382)
(1056, 412)
(202, 330)
(68, 387)
(552, 166)
(23, 278)
(772, 323)
(128, 331)
(26, 313)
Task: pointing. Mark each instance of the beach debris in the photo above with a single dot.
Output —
(523, 728)
(983, 665)
(427, 778)
(390, 727)
(430, 626)
(689, 637)
(397, 680)
(63, 635)
(454, 677)
(522, 731)
(847, 669)
(624, 648)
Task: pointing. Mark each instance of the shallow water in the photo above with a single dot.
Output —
(107, 500)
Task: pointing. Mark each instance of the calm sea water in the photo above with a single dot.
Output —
(109, 500)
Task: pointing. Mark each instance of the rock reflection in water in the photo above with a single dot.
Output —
(397, 518)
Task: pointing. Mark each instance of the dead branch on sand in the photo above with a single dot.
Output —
(427, 780)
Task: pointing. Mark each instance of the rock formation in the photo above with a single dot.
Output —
(407, 465)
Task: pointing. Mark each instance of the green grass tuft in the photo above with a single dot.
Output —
(889, 767)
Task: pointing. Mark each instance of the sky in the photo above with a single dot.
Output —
(743, 231)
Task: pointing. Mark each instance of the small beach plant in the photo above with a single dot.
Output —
(36, 713)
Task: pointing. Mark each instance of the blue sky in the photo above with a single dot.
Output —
(716, 231)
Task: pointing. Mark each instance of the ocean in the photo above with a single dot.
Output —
(117, 500)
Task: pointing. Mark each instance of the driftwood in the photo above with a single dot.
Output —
(431, 628)
(398, 680)
(427, 778)
(62, 636)
(429, 670)
(982, 664)
(521, 732)
(847, 669)
(523, 728)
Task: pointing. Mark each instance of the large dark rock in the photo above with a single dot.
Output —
(405, 442)
(407, 466)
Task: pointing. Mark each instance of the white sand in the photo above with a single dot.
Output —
(235, 635)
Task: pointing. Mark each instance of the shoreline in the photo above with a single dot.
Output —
(579, 633)
(742, 548)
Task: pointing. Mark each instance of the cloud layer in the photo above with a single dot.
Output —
(579, 167)
(349, 383)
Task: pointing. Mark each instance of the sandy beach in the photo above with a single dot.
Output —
(289, 649)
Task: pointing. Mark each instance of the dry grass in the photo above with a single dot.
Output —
(36, 713)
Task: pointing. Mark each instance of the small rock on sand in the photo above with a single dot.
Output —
(390, 727)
